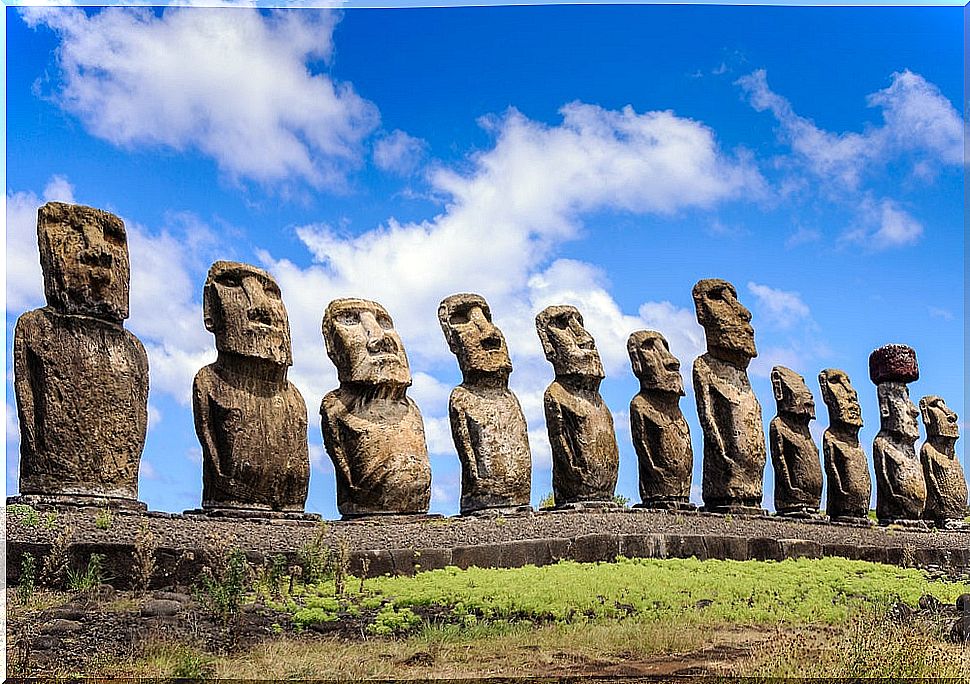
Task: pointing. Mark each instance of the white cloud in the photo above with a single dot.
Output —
(779, 307)
(398, 152)
(12, 423)
(884, 225)
(236, 85)
(917, 120)
(146, 470)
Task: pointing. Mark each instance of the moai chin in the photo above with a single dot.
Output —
(729, 412)
(900, 487)
(373, 432)
(846, 465)
(946, 486)
(250, 420)
(487, 423)
(80, 378)
(585, 457)
(660, 433)
(794, 456)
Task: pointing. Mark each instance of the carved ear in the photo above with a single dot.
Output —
(776, 385)
(210, 314)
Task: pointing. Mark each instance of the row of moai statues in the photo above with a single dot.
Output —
(81, 383)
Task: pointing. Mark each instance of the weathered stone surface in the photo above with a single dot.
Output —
(946, 486)
(900, 487)
(80, 378)
(794, 456)
(373, 432)
(160, 608)
(660, 433)
(250, 420)
(730, 415)
(585, 456)
(487, 422)
(846, 465)
(893, 363)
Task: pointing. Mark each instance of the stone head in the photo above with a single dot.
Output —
(938, 418)
(466, 321)
(567, 344)
(243, 308)
(898, 414)
(791, 393)
(84, 257)
(840, 397)
(363, 344)
(652, 362)
(726, 322)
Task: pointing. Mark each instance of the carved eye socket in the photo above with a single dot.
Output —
(230, 280)
(560, 322)
(384, 321)
(458, 317)
(272, 290)
(347, 318)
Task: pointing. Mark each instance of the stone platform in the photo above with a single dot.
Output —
(407, 545)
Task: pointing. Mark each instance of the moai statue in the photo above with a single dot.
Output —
(661, 436)
(946, 487)
(846, 465)
(487, 422)
(729, 412)
(372, 431)
(794, 456)
(585, 458)
(900, 487)
(80, 378)
(250, 420)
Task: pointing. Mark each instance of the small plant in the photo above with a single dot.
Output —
(621, 500)
(276, 575)
(24, 514)
(103, 519)
(391, 620)
(56, 563)
(50, 520)
(315, 555)
(90, 578)
(191, 665)
(340, 564)
(548, 501)
(28, 578)
(144, 557)
(221, 590)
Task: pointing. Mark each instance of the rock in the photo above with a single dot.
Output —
(730, 415)
(661, 436)
(61, 626)
(946, 486)
(173, 596)
(372, 431)
(585, 456)
(849, 486)
(250, 420)
(960, 632)
(900, 487)
(160, 608)
(893, 363)
(68, 612)
(487, 422)
(929, 602)
(80, 378)
(794, 456)
(963, 603)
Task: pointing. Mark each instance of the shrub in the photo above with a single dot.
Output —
(103, 519)
(28, 578)
(391, 620)
(90, 578)
(23, 513)
(221, 590)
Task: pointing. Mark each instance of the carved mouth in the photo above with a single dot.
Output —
(260, 316)
(95, 259)
(491, 343)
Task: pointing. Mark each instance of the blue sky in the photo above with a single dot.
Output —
(601, 156)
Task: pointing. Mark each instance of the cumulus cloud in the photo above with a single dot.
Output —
(239, 87)
(779, 307)
(398, 152)
(883, 224)
(917, 120)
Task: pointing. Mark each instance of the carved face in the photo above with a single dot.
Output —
(243, 308)
(363, 344)
(898, 413)
(84, 257)
(840, 397)
(938, 418)
(652, 362)
(791, 393)
(726, 322)
(566, 343)
(466, 321)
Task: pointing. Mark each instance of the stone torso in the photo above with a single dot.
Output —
(661, 438)
(492, 440)
(847, 475)
(900, 488)
(946, 487)
(82, 394)
(734, 442)
(379, 453)
(798, 472)
(585, 457)
(254, 441)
